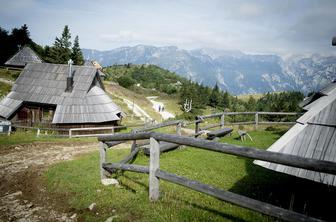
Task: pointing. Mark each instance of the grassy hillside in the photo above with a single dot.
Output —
(146, 76)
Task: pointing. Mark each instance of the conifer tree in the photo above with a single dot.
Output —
(214, 97)
(61, 52)
(77, 55)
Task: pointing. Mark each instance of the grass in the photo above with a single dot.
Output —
(9, 74)
(138, 95)
(4, 89)
(79, 182)
(25, 137)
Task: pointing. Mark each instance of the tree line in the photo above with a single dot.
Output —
(60, 52)
(204, 96)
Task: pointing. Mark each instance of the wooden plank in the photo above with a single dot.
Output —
(111, 167)
(236, 199)
(154, 164)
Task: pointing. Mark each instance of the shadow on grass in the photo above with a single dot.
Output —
(213, 211)
(307, 197)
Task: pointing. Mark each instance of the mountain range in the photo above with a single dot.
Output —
(233, 71)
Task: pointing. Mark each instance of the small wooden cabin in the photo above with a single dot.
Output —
(22, 57)
(61, 96)
(313, 136)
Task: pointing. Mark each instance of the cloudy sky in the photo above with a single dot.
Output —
(265, 26)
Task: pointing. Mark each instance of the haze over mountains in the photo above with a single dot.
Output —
(234, 71)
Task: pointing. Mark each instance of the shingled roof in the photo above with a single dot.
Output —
(46, 84)
(94, 64)
(313, 136)
(22, 57)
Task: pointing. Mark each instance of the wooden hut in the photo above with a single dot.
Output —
(22, 57)
(313, 136)
(62, 95)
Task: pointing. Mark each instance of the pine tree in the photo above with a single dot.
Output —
(77, 55)
(214, 98)
(61, 52)
(225, 103)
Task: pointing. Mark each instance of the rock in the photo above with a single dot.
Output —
(109, 181)
(64, 218)
(98, 191)
(92, 206)
(73, 217)
(110, 219)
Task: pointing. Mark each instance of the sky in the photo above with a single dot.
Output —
(283, 27)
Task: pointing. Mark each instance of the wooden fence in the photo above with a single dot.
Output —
(256, 122)
(156, 174)
(135, 145)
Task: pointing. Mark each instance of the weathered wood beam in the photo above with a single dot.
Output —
(236, 199)
(160, 125)
(154, 164)
(253, 153)
(125, 136)
(111, 167)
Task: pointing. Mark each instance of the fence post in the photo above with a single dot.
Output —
(102, 152)
(154, 164)
(70, 133)
(222, 121)
(9, 130)
(197, 126)
(133, 145)
(178, 129)
(256, 120)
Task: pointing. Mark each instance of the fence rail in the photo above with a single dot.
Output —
(155, 173)
(201, 119)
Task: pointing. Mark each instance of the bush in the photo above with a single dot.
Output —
(126, 81)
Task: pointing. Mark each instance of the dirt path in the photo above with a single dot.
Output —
(22, 198)
(157, 106)
(137, 110)
(6, 81)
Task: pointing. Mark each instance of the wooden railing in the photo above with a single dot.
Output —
(135, 145)
(256, 122)
(155, 173)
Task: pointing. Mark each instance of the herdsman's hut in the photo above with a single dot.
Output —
(62, 95)
(22, 57)
(313, 136)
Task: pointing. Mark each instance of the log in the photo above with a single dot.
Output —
(164, 146)
(219, 133)
(111, 167)
(114, 143)
(236, 199)
(125, 136)
(253, 153)
(160, 125)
